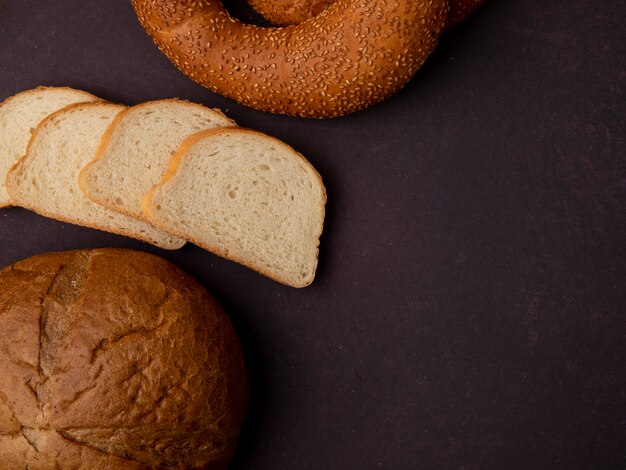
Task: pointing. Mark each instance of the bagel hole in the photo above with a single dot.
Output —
(244, 12)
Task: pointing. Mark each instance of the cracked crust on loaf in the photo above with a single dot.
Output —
(115, 359)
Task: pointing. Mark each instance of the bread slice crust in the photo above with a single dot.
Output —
(150, 206)
(101, 164)
(118, 224)
(6, 161)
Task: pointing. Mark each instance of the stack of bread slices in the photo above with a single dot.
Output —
(165, 172)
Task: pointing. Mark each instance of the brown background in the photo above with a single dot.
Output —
(469, 305)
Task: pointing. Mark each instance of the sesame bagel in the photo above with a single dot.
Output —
(287, 12)
(352, 55)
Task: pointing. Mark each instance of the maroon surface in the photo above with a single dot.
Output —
(469, 310)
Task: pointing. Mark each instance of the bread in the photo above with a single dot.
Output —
(113, 168)
(352, 55)
(247, 197)
(135, 150)
(20, 114)
(114, 359)
(45, 180)
(287, 12)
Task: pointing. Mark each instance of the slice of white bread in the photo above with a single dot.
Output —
(45, 180)
(247, 197)
(134, 154)
(20, 114)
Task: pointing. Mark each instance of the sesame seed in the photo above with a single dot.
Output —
(355, 54)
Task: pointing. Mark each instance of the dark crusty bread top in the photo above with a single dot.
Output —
(115, 359)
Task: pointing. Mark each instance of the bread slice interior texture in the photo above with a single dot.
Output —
(136, 150)
(244, 196)
(20, 115)
(45, 180)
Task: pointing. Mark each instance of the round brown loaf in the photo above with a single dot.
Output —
(115, 359)
(354, 54)
(287, 12)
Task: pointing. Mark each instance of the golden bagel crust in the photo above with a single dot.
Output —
(352, 55)
(286, 12)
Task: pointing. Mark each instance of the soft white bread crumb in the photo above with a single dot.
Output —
(135, 152)
(244, 196)
(45, 180)
(19, 116)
